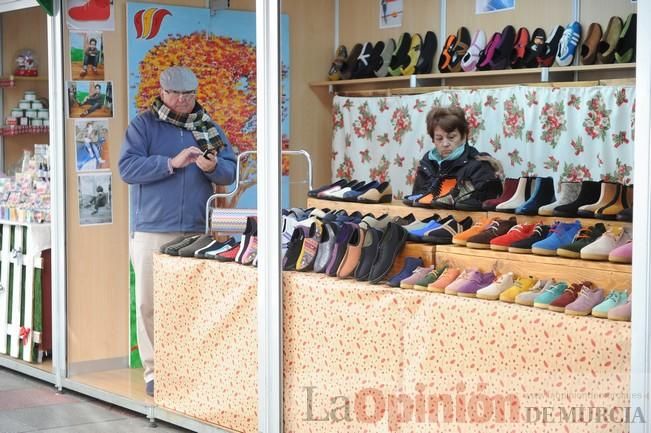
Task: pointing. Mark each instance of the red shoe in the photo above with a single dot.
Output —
(228, 255)
(93, 10)
(516, 233)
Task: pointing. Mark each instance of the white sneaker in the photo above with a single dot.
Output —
(526, 298)
(616, 236)
(492, 292)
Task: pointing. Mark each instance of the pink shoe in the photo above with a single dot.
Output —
(621, 312)
(622, 254)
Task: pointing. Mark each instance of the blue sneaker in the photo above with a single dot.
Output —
(416, 234)
(560, 234)
(549, 295)
(568, 44)
(410, 199)
(410, 265)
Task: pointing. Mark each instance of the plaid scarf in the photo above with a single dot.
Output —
(198, 122)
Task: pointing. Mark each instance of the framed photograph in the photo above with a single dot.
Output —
(92, 99)
(391, 12)
(95, 200)
(491, 6)
(86, 56)
(90, 15)
(91, 144)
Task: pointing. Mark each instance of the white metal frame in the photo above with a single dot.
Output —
(269, 274)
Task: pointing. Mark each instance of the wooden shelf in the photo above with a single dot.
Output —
(397, 208)
(417, 80)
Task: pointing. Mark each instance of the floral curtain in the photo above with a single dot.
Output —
(571, 133)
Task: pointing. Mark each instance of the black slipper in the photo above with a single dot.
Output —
(625, 51)
(400, 58)
(347, 71)
(534, 48)
(548, 55)
(502, 57)
(427, 52)
(362, 63)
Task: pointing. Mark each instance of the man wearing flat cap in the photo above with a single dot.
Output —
(172, 155)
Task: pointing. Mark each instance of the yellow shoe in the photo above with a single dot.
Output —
(520, 286)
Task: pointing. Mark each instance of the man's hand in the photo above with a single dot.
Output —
(207, 163)
(186, 157)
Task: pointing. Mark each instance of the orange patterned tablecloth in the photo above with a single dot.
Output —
(362, 358)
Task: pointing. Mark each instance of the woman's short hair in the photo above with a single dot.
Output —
(448, 119)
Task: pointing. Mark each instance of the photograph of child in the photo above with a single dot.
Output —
(92, 148)
(90, 99)
(95, 204)
(86, 56)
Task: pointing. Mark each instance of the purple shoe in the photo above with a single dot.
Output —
(588, 299)
(475, 282)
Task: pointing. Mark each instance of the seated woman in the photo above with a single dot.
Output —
(454, 173)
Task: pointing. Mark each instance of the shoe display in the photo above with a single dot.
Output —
(418, 274)
(294, 248)
(310, 247)
(369, 251)
(174, 241)
(400, 58)
(443, 234)
(621, 312)
(535, 48)
(540, 232)
(173, 250)
(428, 50)
(413, 54)
(516, 233)
(417, 230)
(600, 249)
(568, 296)
(352, 194)
(521, 285)
(520, 196)
(609, 40)
(589, 193)
(345, 233)
(478, 227)
(569, 191)
(251, 252)
(475, 282)
(464, 278)
(210, 246)
(373, 61)
(326, 246)
(520, 48)
(428, 279)
(213, 253)
(617, 204)
(338, 63)
(568, 44)
(549, 295)
(471, 58)
(622, 254)
(473, 199)
(387, 53)
(542, 194)
(614, 299)
(502, 56)
(527, 298)
(346, 72)
(550, 49)
(353, 254)
(497, 228)
(590, 44)
(381, 193)
(408, 267)
(446, 54)
(447, 277)
(560, 234)
(250, 231)
(583, 238)
(589, 297)
(391, 244)
(338, 194)
(492, 291)
(230, 254)
(442, 188)
(459, 49)
(625, 50)
(486, 55)
(510, 187)
(198, 244)
(315, 192)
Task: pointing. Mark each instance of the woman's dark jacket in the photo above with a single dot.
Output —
(478, 167)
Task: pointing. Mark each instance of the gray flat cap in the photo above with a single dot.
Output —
(178, 78)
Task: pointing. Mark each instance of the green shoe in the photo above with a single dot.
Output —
(614, 299)
(429, 279)
(547, 297)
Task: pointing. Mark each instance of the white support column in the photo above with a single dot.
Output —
(641, 324)
(336, 32)
(58, 192)
(269, 275)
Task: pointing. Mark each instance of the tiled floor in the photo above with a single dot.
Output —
(29, 405)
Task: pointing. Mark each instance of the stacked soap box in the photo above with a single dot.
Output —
(30, 116)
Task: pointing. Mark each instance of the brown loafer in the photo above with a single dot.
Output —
(589, 47)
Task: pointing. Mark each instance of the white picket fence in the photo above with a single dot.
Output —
(20, 258)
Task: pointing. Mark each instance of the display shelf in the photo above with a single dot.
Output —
(12, 79)
(7, 131)
(397, 208)
(603, 274)
(540, 74)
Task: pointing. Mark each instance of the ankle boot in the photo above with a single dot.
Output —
(543, 194)
(590, 191)
(477, 196)
(608, 193)
(510, 186)
(615, 206)
(568, 192)
(522, 194)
